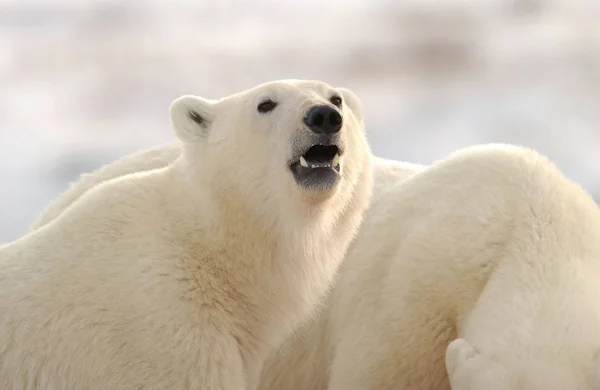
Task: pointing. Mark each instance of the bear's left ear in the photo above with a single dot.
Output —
(191, 117)
(352, 101)
(458, 353)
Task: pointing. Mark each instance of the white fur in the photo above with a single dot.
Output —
(302, 363)
(145, 160)
(386, 173)
(184, 276)
(491, 202)
(492, 245)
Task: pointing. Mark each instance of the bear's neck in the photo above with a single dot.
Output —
(281, 273)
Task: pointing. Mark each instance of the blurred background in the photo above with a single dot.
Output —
(85, 82)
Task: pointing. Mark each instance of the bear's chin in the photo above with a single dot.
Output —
(316, 180)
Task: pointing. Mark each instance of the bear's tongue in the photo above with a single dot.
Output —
(320, 156)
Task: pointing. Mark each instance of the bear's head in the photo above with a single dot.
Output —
(283, 144)
(470, 369)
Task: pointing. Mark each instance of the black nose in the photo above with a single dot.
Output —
(323, 120)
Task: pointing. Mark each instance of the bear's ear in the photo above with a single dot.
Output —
(458, 353)
(191, 117)
(352, 101)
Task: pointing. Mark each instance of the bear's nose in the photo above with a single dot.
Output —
(323, 119)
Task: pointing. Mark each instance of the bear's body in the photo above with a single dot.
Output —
(187, 276)
(492, 245)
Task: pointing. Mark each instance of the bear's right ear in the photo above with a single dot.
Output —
(191, 117)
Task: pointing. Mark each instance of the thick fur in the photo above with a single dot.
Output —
(492, 246)
(145, 160)
(386, 173)
(184, 276)
(303, 362)
(512, 271)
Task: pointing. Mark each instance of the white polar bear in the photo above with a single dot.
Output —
(187, 276)
(292, 367)
(492, 248)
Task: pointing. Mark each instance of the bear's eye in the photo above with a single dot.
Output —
(336, 101)
(266, 106)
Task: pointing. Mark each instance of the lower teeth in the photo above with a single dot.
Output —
(335, 162)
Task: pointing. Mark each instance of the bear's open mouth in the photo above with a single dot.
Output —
(321, 156)
(318, 169)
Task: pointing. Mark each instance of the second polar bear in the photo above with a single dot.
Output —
(480, 272)
(187, 276)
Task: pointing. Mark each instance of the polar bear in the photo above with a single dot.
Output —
(187, 276)
(491, 254)
(479, 272)
(290, 366)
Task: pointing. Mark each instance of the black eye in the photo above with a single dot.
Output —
(336, 101)
(266, 106)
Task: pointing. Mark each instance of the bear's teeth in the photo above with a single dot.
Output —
(336, 160)
(321, 165)
(303, 162)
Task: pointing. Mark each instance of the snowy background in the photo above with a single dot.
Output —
(85, 82)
